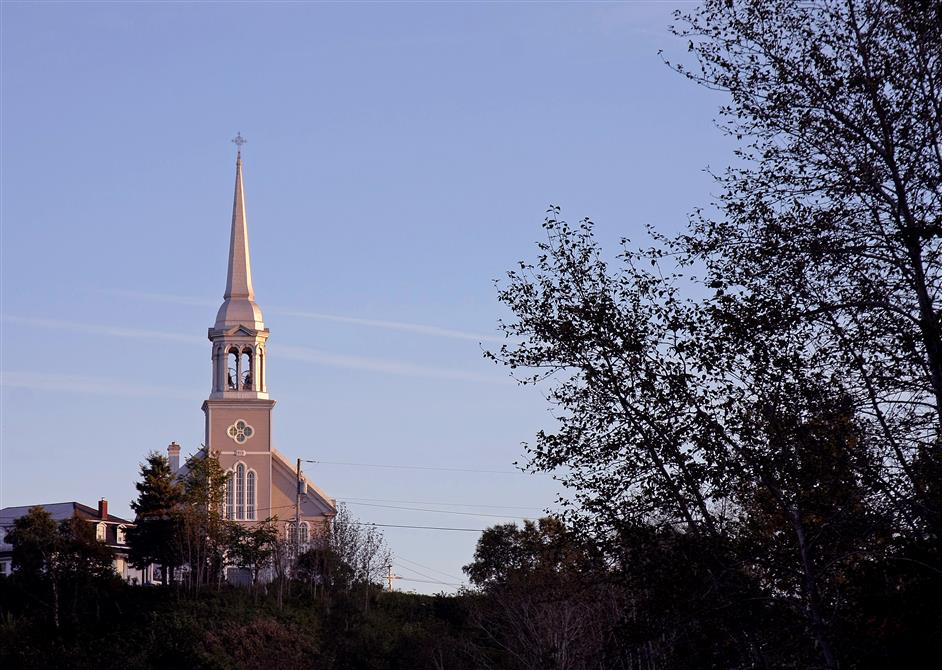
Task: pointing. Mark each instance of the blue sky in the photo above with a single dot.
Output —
(400, 159)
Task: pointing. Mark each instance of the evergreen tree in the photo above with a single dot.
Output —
(155, 536)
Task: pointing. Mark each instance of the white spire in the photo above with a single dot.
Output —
(238, 307)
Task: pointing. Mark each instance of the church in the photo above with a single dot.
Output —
(263, 482)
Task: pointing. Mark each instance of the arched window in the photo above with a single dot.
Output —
(230, 498)
(298, 533)
(240, 491)
(246, 369)
(250, 495)
(260, 373)
(232, 369)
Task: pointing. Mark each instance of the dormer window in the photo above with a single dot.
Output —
(101, 531)
(121, 537)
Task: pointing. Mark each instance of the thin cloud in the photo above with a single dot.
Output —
(303, 354)
(383, 366)
(41, 381)
(96, 329)
(401, 326)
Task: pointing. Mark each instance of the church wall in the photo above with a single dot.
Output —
(255, 452)
(283, 493)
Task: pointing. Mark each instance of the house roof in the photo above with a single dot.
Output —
(58, 511)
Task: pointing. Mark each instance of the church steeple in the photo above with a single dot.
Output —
(238, 307)
(239, 334)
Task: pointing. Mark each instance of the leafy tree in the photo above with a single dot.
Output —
(35, 540)
(544, 548)
(346, 556)
(789, 418)
(831, 221)
(64, 560)
(546, 599)
(205, 533)
(154, 538)
(252, 547)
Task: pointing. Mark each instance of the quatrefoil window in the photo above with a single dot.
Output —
(240, 431)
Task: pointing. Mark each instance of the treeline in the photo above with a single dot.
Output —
(542, 596)
(160, 627)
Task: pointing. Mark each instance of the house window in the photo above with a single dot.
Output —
(121, 537)
(100, 531)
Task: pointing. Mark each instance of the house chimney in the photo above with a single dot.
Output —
(173, 455)
(103, 509)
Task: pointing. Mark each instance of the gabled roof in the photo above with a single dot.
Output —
(58, 511)
(313, 492)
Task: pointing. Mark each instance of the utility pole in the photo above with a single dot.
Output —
(390, 577)
(297, 512)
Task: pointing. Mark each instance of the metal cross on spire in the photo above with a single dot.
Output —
(238, 140)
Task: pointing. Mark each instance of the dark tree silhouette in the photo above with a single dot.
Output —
(155, 536)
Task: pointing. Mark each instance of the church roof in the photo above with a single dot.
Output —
(311, 490)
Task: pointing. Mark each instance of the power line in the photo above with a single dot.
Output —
(395, 525)
(427, 567)
(421, 574)
(445, 504)
(428, 581)
(382, 525)
(441, 511)
(423, 467)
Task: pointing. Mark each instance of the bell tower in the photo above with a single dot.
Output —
(238, 410)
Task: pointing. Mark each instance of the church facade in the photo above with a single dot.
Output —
(263, 482)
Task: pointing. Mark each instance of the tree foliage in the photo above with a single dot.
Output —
(62, 564)
(766, 386)
(154, 536)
